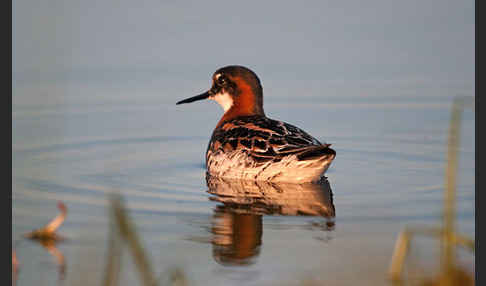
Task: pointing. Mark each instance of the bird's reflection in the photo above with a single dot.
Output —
(236, 236)
(237, 221)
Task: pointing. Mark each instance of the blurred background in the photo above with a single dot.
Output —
(93, 112)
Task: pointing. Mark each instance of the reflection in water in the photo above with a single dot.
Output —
(237, 236)
(50, 246)
(48, 238)
(15, 267)
(237, 222)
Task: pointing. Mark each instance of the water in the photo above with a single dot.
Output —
(80, 141)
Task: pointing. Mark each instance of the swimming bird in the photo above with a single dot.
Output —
(248, 145)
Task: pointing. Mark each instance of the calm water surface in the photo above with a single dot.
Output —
(80, 142)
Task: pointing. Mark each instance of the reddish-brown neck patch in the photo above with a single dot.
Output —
(244, 103)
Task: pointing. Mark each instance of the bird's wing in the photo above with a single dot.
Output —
(264, 139)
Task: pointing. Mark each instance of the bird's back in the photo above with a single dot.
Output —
(260, 148)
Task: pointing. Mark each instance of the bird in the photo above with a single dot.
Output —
(247, 145)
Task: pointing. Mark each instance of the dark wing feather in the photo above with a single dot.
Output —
(266, 139)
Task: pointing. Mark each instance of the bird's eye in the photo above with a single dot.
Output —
(222, 79)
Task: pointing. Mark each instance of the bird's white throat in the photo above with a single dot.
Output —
(224, 99)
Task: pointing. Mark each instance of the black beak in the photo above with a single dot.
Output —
(195, 98)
